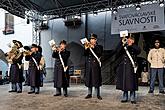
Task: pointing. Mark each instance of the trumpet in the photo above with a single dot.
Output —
(55, 48)
(124, 41)
(87, 45)
(27, 53)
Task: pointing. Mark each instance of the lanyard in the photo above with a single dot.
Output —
(95, 56)
(129, 56)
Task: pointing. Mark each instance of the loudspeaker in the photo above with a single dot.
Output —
(73, 22)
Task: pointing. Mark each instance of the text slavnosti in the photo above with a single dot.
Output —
(137, 18)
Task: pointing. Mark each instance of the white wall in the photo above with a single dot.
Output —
(22, 32)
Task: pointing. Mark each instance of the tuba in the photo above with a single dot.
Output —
(15, 52)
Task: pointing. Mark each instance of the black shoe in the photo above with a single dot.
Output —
(124, 101)
(36, 92)
(19, 91)
(13, 91)
(88, 96)
(99, 97)
(31, 92)
(162, 92)
(57, 95)
(133, 102)
(66, 95)
(150, 91)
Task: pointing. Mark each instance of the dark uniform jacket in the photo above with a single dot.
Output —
(34, 72)
(16, 73)
(92, 75)
(126, 78)
(61, 78)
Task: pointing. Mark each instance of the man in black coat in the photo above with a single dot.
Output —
(34, 71)
(16, 72)
(126, 77)
(93, 68)
(61, 77)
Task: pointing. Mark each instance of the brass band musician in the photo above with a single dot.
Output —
(14, 57)
(34, 57)
(61, 73)
(127, 80)
(92, 75)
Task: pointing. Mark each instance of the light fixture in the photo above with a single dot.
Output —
(95, 13)
(115, 11)
(138, 7)
(161, 3)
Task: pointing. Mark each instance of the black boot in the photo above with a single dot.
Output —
(31, 92)
(65, 90)
(99, 97)
(88, 96)
(132, 96)
(12, 91)
(125, 97)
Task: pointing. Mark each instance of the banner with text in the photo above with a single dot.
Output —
(149, 18)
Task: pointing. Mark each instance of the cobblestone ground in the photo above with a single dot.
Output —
(46, 101)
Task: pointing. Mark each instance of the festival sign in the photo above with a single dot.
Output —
(149, 18)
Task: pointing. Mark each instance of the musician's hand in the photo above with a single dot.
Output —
(54, 48)
(92, 46)
(59, 49)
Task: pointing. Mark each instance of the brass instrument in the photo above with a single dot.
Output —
(87, 45)
(53, 45)
(27, 53)
(124, 40)
(14, 53)
(123, 35)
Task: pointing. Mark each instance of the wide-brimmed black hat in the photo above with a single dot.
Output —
(17, 43)
(131, 36)
(26, 48)
(93, 36)
(63, 42)
(34, 46)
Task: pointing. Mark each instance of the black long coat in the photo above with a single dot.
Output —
(61, 78)
(16, 73)
(92, 76)
(34, 73)
(127, 80)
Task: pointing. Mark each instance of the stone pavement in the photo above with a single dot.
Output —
(46, 101)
